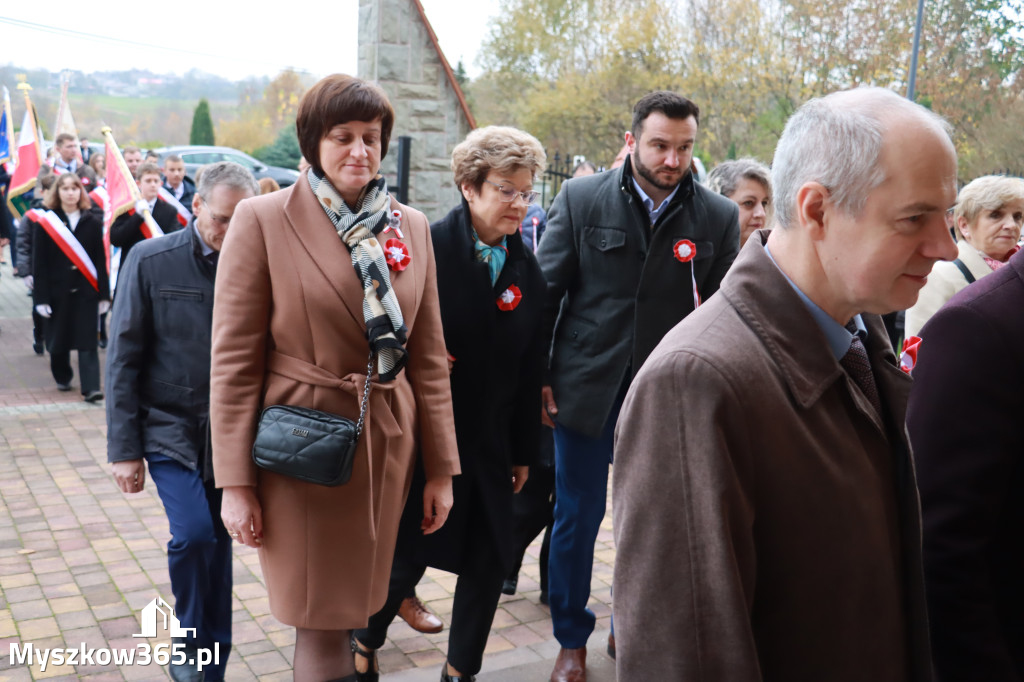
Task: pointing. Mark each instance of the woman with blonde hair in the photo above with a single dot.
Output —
(326, 300)
(492, 296)
(748, 184)
(987, 222)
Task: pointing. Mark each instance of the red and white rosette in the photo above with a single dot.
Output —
(510, 298)
(684, 251)
(908, 358)
(397, 255)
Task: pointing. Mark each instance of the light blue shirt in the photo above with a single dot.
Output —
(648, 202)
(839, 337)
(207, 250)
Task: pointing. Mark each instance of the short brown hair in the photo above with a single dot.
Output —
(147, 168)
(338, 99)
(52, 198)
(62, 138)
(498, 148)
(268, 185)
(671, 104)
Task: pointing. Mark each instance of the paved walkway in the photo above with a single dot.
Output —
(79, 560)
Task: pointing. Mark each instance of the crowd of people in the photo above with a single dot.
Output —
(793, 497)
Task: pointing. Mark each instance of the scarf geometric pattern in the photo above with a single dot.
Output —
(385, 327)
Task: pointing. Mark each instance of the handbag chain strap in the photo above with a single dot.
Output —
(367, 387)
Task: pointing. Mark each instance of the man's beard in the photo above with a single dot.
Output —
(647, 174)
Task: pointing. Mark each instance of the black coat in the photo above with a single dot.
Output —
(496, 382)
(186, 196)
(126, 231)
(615, 286)
(158, 360)
(62, 286)
(964, 425)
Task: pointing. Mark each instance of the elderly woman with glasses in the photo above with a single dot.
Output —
(492, 293)
(987, 222)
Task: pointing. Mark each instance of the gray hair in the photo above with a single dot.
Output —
(837, 141)
(226, 173)
(987, 193)
(727, 175)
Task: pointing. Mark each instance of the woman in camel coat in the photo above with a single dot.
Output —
(289, 329)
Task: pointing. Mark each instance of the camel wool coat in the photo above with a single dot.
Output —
(288, 329)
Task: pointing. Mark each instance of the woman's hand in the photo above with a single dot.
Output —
(519, 476)
(240, 511)
(437, 502)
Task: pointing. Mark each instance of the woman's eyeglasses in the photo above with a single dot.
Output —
(509, 195)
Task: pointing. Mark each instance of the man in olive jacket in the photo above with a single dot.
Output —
(766, 515)
(627, 254)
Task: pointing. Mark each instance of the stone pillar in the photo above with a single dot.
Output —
(397, 49)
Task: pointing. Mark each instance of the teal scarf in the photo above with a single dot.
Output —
(494, 256)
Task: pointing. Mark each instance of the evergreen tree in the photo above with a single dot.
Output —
(202, 124)
(284, 151)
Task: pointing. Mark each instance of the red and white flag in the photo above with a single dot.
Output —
(68, 243)
(122, 190)
(29, 157)
(65, 122)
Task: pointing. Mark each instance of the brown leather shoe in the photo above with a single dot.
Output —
(611, 645)
(570, 666)
(418, 617)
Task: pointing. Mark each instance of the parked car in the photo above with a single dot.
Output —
(195, 156)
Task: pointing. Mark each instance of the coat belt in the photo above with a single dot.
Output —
(378, 411)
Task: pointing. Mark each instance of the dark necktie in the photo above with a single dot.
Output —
(212, 259)
(858, 366)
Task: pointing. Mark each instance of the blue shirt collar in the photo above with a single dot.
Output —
(839, 337)
(648, 202)
(206, 248)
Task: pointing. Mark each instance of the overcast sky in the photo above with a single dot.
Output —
(316, 36)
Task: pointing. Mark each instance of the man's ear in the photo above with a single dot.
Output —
(196, 203)
(630, 141)
(812, 202)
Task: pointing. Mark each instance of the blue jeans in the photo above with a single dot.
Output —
(581, 488)
(198, 555)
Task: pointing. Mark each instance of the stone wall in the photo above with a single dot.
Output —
(398, 50)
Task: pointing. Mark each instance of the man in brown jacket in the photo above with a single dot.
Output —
(766, 515)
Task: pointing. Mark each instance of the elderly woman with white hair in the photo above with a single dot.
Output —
(492, 296)
(987, 222)
(747, 183)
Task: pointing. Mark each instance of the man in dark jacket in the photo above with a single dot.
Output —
(158, 378)
(176, 182)
(969, 451)
(627, 254)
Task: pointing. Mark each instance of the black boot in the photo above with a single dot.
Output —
(372, 673)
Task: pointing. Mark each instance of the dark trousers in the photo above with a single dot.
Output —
(476, 599)
(533, 511)
(88, 369)
(198, 555)
(581, 488)
(38, 328)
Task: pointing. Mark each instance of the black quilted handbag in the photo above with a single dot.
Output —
(307, 444)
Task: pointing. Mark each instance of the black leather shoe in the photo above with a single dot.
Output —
(63, 387)
(185, 672)
(544, 597)
(373, 673)
(510, 584)
(94, 396)
(38, 348)
(445, 677)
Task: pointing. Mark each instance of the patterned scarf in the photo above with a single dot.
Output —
(996, 264)
(494, 256)
(385, 327)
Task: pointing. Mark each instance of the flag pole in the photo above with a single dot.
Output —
(132, 186)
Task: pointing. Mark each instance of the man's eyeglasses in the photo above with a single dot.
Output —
(509, 195)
